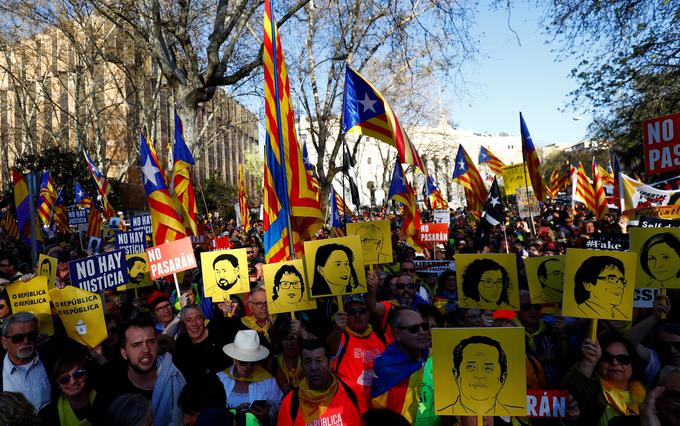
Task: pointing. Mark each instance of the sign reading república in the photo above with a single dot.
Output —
(131, 241)
(77, 216)
(141, 223)
(98, 273)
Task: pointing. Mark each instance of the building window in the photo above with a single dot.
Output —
(368, 160)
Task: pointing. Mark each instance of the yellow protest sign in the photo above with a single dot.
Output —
(335, 266)
(138, 272)
(31, 296)
(545, 276)
(225, 272)
(658, 256)
(660, 212)
(487, 281)
(599, 284)
(376, 240)
(513, 178)
(286, 289)
(47, 267)
(472, 374)
(81, 313)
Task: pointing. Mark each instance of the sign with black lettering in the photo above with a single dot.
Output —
(433, 266)
(98, 273)
(644, 297)
(653, 222)
(616, 242)
(131, 241)
(77, 216)
(141, 223)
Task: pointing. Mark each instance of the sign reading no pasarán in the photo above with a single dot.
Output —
(170, 258)
(434, 232)
(98, 273)
(661, 136)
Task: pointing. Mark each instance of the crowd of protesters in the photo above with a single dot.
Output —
(184, 359)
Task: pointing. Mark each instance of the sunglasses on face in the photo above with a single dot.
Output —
(530, 306)
(622, 359)
(402, 286)
(357, 311)
(667, 346)
(18, 338)
(413, 329)
(66, 378)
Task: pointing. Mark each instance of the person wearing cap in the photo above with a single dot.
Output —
(162, 310)
(440, 252)
(355, 346)
(247, 384)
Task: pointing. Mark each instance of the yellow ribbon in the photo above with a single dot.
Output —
(625, 402)
(259, 375)
(250, 322)
(363, 335)
(293, 375)
(314, 403)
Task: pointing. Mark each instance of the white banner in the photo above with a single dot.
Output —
(640, 195)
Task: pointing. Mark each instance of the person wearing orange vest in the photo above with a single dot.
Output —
(355, 346)
(322, 399)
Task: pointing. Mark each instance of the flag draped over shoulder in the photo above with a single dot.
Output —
(531, 159)
(22, 203)
(598, 191)
(494, 163)
(182, 187)
(582, 188)
(366, 112)
(402, 192)
(290, 197)
(166, 223)
(102, 185)
(466, 174)
(60, 218)
(46, 198)
(243, 199)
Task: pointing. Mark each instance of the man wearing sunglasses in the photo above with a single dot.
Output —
(22, 369)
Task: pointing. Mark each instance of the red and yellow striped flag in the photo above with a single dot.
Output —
(532, 162)
(598, 190)
(9, 225)
(467, 175)
(494, 163)
(46, 198)
(182, 187)
(94, 222)
(582, 187)
(60, 216)
(243, 199)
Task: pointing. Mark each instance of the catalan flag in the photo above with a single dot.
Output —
(80, 198)
(466, 174)
(102, 185)
(494, 163)
(22, 203)
(310, 169)
(402, 192)
(166, 223)
(9, 225)
(531, 160)
(183, 188)
(598, 190)
(559, 180)
(46, 198)
(94, 222)
(291, 201)
(582, 188)
(366, 112)
(243, 200)
(432, 191)
(60, 218)
(606, 175)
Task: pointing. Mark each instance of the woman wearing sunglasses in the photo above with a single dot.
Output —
(607, 382)
(74, 405)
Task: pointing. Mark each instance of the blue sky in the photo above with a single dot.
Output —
(508, 77)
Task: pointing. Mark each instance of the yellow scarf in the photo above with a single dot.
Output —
(66, 414)
(250, 322)
(259, 375)
(363, 335)
(293, 375)
(314, 403)
(625, 402)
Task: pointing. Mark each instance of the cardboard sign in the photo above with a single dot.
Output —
(441, 216)
(335, 266)
(32, 296)
(545, 276)
(99, 273)
(141, 223)
(652, 222)
(433, 266)
(94, 245)
(286, 288)
(644, 297)
(131, 241)
(599, 284)
(661, 138)
(138, 271)
(547, 403)
(77, 216)
(225, 272)
(376, 240)
(81, 313)
(513, 178)
(487, 281)
(658, 256)
(661, 212)
(220, 243)
(527, 205)
(170, 258)
(479, 371)
(616, 242)
(434, 232)
(47, 267)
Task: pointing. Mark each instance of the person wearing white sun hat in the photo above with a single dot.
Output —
(247, 384)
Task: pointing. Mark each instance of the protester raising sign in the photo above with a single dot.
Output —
(47, 267)
(131, 241)
(224, 273)
(81, 313)
(170, 258)
(32, 297)
(141, 223)
(99, 273)
(376, 240)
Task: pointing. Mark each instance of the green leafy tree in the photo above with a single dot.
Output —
(218, 197)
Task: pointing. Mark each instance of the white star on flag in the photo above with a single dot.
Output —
(149, 171)
(368, 103)
(79, 194)
(461, 164)
(494, 201)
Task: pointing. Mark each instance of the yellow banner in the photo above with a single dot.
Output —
(81, 313)
(660, 212)
(31, 296)
(515, 176)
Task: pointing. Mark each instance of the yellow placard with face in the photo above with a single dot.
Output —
(224, 272)
(472, 373)
(658, 256)
(47, 267)
(81, 313)
(32, 296)
(286, 289)
(545, 276)
(487, 281)
(599, 284)
(335, 266)
(376, 240)
(138, 272)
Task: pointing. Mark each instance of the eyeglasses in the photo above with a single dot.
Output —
(163, 308)
(18, 338)
(613, 279)
(667, 346)
(258, 304)
(530, 306)
(288, 284)
(66, 378)
(402, 286)
(357, 311)
(413, 329)
(622, 359)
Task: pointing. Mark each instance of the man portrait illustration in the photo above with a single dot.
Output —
(599, 286)
(137, 268)
(226, 269)
(288, 290)
(550, 274)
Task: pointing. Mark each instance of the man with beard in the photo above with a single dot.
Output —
(22, 369)
(136, 269)
(227, 274)
(148, 374)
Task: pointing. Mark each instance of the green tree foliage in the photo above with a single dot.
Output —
(218, 197)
